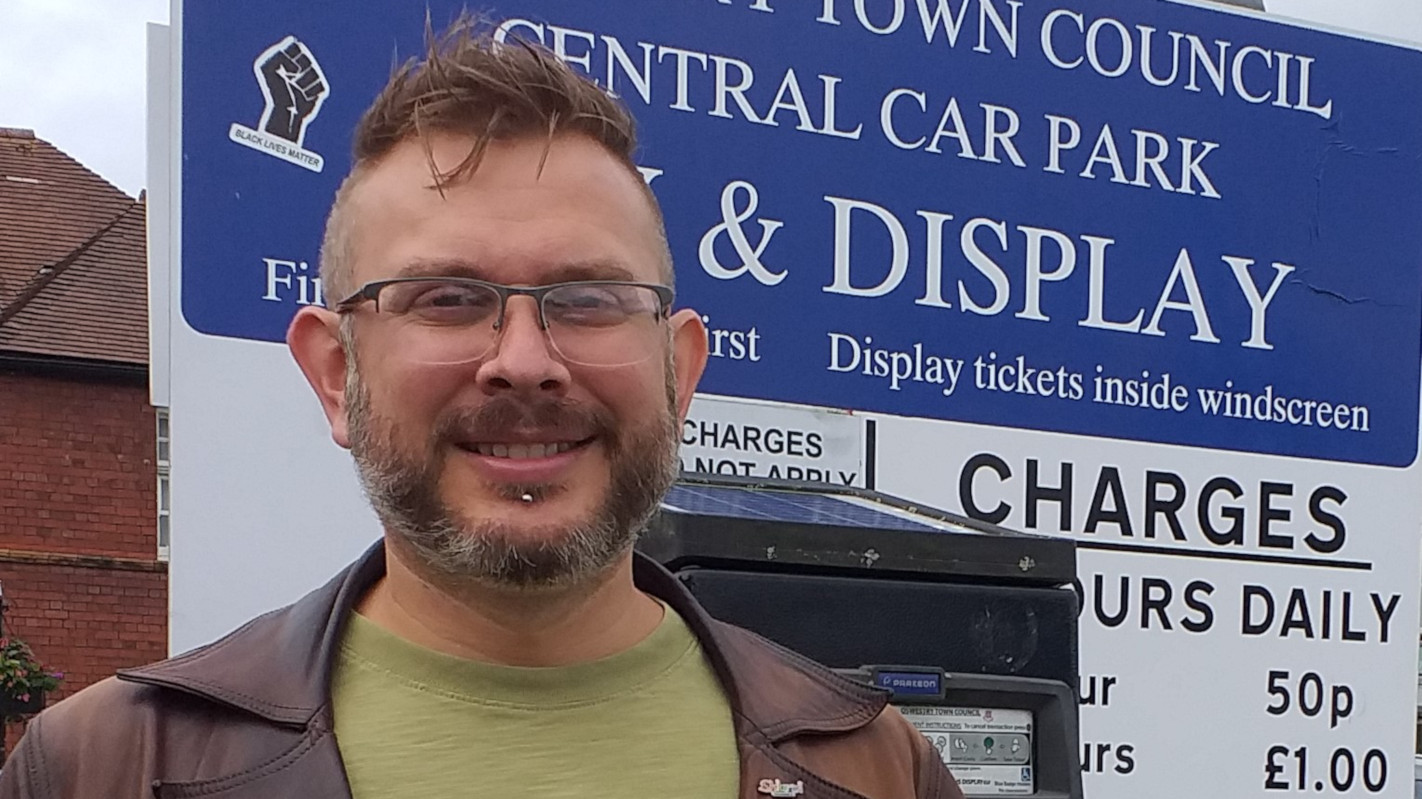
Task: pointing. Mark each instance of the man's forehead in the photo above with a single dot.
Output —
(520, 180)
(556, 272)
(437, 163)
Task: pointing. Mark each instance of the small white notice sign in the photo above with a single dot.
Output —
(744, 438)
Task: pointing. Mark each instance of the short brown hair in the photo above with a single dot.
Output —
(468, 83)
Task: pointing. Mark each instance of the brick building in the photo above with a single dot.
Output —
(83, 579)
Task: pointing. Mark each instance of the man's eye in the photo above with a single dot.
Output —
(588, 300)
(450, 298)
(587, 305)
(450, 303)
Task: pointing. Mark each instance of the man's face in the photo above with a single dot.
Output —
(451, 453)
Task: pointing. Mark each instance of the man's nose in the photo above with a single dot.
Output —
(523, 359)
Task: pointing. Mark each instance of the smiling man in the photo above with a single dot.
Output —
(508, 371)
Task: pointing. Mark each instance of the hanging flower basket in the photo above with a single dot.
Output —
(24, 680)
(28, 706)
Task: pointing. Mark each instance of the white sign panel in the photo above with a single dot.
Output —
(740, 438)
(1248, 622)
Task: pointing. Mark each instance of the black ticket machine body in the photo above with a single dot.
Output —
(971, 627)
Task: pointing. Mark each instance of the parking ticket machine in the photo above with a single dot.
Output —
(972, 628)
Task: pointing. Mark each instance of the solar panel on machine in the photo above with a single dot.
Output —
(802, 507)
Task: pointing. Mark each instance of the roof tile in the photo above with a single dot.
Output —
(73, 263)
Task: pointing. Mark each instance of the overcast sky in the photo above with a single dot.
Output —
(73, 70)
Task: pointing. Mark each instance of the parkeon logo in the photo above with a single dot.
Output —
(294, 87)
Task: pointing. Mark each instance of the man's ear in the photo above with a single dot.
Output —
(688, 356)
(315, 341)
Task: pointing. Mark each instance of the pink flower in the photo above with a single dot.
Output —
(24, 697)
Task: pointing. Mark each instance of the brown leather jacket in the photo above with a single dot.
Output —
(249, 717)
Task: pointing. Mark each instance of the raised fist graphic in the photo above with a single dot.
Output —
(294, 87)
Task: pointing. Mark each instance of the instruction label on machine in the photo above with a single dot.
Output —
(989, 750)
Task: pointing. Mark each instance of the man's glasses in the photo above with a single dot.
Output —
(451, 320)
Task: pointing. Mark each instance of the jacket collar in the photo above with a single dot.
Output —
(278, 666)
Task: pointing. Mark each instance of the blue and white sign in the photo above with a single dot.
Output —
(1146, 275)
(1134, 220)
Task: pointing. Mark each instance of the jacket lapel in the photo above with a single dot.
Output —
(311, 770)
(298, 642)
(775, 693)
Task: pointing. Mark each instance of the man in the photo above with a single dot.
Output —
(507, 371)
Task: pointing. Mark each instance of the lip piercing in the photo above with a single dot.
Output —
(527, 497)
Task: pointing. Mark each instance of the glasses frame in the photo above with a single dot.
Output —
(370, 292)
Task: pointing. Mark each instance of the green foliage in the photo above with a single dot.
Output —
(22, 675)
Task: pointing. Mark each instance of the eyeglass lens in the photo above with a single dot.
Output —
(449, 322)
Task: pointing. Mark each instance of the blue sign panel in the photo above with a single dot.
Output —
(1145, 221)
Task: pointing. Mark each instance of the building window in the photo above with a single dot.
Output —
(164, 487)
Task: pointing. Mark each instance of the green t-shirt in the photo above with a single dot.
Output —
(648, 722)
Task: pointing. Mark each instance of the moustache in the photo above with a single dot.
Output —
(503, 416)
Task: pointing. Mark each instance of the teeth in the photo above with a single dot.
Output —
(521, 451)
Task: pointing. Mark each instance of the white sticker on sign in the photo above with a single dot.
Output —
(989, 750)
(741, 438)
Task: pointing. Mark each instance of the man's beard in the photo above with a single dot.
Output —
(455, 549)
